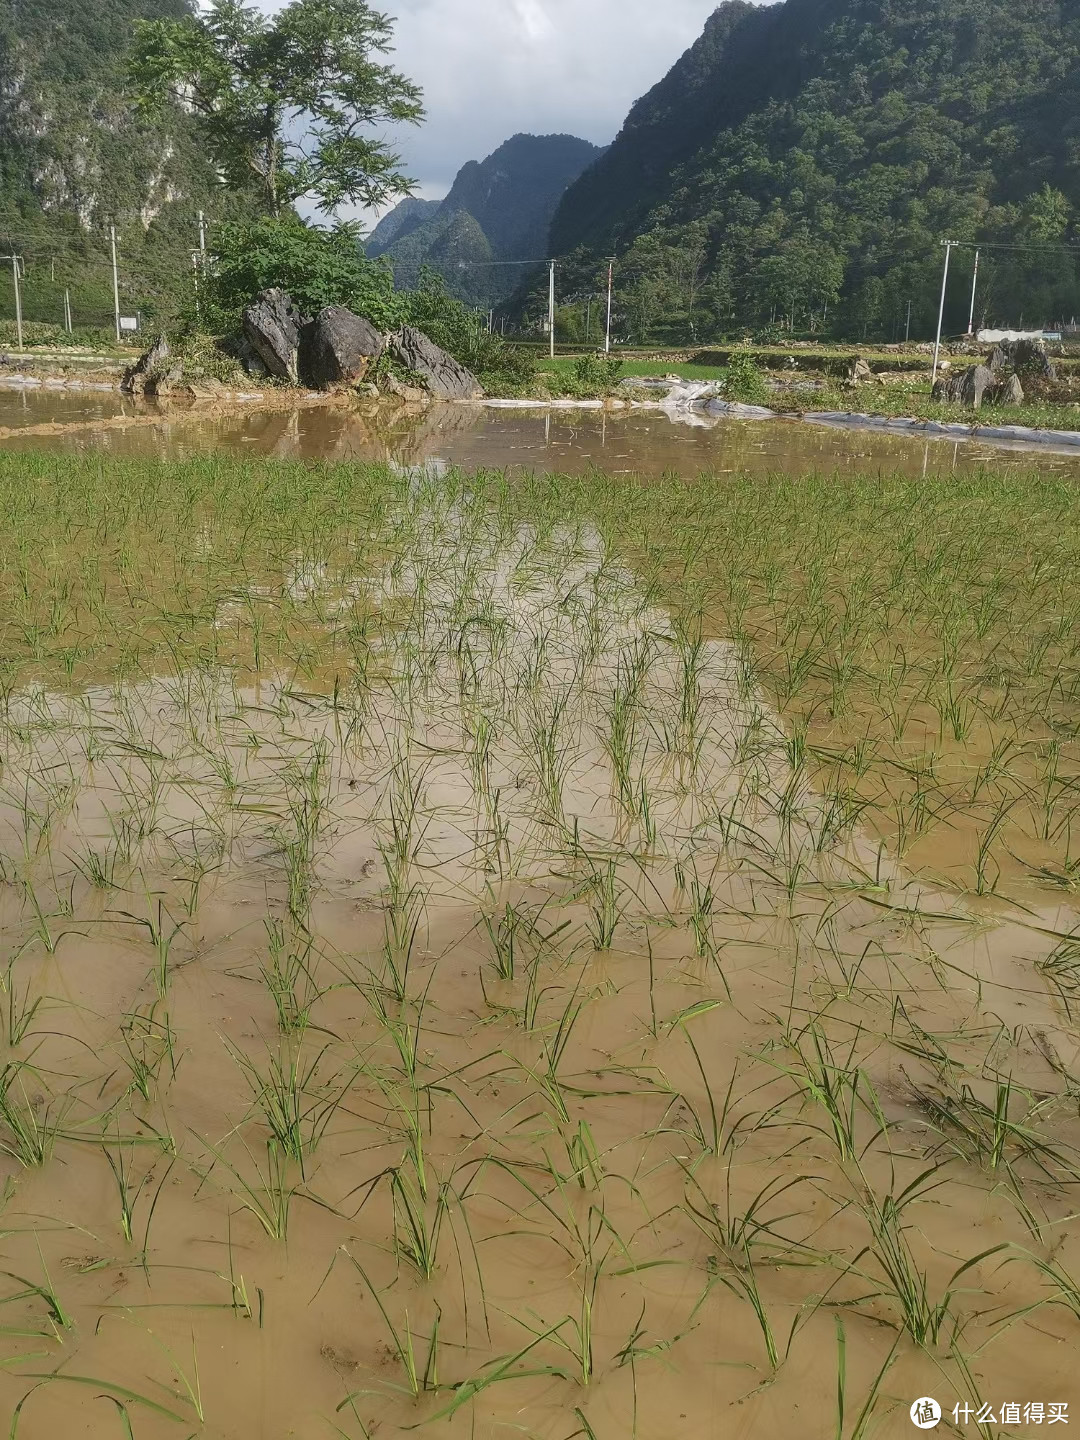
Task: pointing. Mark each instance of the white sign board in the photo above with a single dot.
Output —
(129, 322)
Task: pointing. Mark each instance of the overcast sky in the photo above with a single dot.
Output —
(491, 68)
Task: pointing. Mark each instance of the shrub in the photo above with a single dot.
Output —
(598, 372)
(743, 381)
(316, 267)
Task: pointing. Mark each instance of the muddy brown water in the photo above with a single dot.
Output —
(616, 1092)
(571, 441)
(44, 405)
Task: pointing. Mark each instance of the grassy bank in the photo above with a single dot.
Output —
(535, 952)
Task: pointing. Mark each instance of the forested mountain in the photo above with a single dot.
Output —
(498, 209)
(73, 159)
(800, 165)
(406, 216)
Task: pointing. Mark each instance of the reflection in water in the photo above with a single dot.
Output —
(49, 405)
(645, 442)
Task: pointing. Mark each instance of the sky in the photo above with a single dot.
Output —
(492, 68)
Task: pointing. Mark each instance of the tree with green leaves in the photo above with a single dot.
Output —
(287, 102)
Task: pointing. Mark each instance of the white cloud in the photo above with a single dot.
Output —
(492, 68)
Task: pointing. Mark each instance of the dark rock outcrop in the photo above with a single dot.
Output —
(272, 327)
(440, 373)
(1022, 357)
(337, 348)
(153, 373)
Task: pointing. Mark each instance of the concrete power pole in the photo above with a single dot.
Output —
(610, 288)
(974, 287)
(941, 309)
(18, 300)
(115, 282)
(551, 306)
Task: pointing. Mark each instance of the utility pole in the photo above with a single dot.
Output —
(974, 285)
(941, 309)
(18, 299)
(588, 318)
(115, 282)
(202, 237)
(67, 311)
(551, 306)
(610, 287)
(907, 334)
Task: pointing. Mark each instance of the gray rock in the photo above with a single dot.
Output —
(859, 371)
(974, 384)
(153, 372)
(338, 347)
(272, 327)
(441, 374)
(1011, 392)
(968, 388)
(411, 394)
(252, 363)
(1025, 357)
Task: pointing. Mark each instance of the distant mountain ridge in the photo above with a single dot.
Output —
(498, 209)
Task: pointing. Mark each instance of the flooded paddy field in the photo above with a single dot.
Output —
(540, 954)
(22, 409)
(643, 442)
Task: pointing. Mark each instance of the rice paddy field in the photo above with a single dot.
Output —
(510, 955)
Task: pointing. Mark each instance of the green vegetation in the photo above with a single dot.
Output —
(798, 167)
(316, 267)
(481, 947)
(282, 101)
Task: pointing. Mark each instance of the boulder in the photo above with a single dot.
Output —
(272, 327)
(1011, 392)
(859, 371)
(969, 387)
(154, 372)
(974, 383)
(441, 374)
(1029, 357)
(337, 348)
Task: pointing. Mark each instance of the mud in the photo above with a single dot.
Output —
(615, 1077)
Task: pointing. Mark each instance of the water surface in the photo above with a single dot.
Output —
(645, 442)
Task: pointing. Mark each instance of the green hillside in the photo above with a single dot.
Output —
(73, 160)
(800, 165)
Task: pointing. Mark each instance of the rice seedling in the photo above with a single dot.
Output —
(294, 1101)
(29, 1124)
(22, 1006)
(149, 1041)
(289, 976)
(129, 1190)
